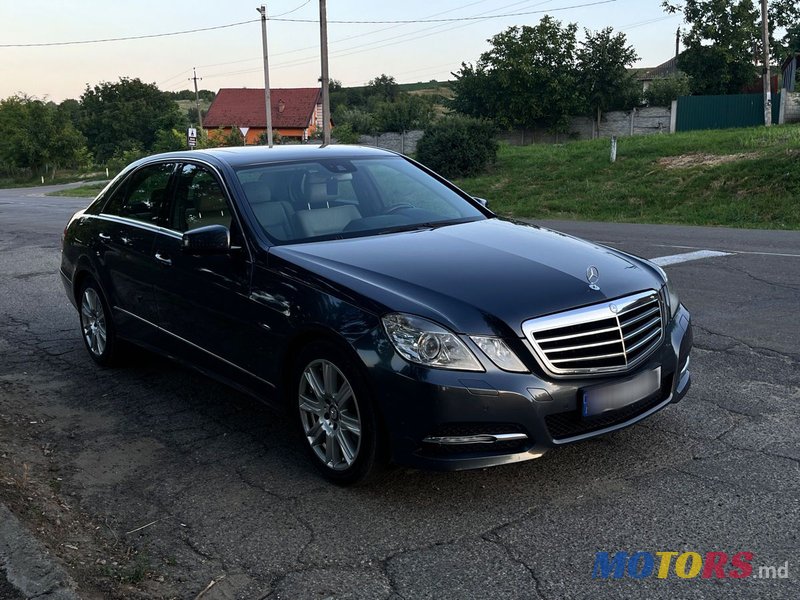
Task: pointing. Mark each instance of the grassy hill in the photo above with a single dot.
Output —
(735, 178)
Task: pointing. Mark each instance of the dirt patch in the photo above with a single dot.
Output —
(685, 161)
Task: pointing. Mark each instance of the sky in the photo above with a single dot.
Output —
(232, 56)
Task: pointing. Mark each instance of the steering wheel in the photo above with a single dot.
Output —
(396, 207)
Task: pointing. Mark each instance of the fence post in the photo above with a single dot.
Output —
(613, 148)
(673, 116)
(782, 110)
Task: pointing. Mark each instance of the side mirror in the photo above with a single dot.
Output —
(482, 201)
(211, 239)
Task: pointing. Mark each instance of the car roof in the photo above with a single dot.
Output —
(238, 156)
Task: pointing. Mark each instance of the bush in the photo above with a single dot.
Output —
(122, 158)
(458, 146)
(664, 90)
(344, 134)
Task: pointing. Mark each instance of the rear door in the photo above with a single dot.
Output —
(126, 232)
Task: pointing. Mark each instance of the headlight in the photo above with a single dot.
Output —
(500, 354)
(673, 302)
(426, 343)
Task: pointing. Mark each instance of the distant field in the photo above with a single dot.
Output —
(735, 178)
(185, 105)
(90, 190)
(427, 86)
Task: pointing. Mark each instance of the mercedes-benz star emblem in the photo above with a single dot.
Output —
(592, 276)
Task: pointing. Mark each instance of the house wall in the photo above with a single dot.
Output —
(255, 133)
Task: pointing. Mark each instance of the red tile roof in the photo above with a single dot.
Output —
(244, 107)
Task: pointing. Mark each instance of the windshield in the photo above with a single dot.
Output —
(336, 198)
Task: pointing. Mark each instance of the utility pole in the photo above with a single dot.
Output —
(326, 101)
(677, 42)
(267, 95)
(197, 98)
(767, 83)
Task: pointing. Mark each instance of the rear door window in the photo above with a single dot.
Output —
(143, 197)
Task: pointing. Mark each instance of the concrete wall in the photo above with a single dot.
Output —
(405, 143)
(791, 109)
(641, 121)
(645, 121)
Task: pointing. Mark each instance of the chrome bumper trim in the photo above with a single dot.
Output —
(484, 438)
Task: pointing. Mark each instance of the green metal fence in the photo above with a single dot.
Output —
(722, 112)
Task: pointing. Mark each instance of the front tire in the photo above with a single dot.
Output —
(335, 413)
(97, 326)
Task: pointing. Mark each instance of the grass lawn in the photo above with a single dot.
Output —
(733, 178)
(90, 190)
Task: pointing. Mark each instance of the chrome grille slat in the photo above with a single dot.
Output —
(642, 342)
(582, 358)
(650, 312)
(643, 328)
(582, 346)
(573, 336)
(638, 328)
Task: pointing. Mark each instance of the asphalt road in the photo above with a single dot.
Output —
(228, 500)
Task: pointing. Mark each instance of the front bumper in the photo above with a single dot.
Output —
(450, 420)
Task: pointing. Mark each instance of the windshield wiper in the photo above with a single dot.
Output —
(421, 226)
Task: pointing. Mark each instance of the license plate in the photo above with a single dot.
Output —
(613, 396)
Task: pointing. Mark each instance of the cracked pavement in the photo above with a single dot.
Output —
(152, 481)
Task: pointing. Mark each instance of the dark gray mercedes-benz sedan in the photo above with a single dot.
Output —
(394, 316)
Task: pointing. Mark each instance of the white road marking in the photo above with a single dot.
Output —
(733, 251)
(663, 261)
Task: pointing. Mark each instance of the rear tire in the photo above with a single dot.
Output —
(337, 421)
(97, 325)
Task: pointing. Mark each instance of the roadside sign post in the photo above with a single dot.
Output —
(191, 137)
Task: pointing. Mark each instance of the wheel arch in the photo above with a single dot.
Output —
(321, 334)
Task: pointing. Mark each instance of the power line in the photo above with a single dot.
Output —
(132, 37)
(452, 20)
(293, 10)
(382, 43)
(336, 41)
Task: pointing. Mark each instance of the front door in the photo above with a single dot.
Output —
(204, 300)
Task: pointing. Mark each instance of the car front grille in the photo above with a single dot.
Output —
(607, 337)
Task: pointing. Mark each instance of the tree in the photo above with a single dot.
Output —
(720, 44)
(384, 87)
(663, 90)
(528, 78)
(37, 135)
(126, 114)
(784, 16)
(606, 83)
(407, 112)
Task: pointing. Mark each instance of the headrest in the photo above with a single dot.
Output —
(257, 192)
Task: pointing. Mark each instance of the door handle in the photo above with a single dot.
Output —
(165, 260)
(104, 236)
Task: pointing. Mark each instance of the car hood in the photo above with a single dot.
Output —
(482, 277)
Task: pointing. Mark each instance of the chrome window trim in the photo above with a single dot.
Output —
(590, 314)
(179, 162)
(135, 223)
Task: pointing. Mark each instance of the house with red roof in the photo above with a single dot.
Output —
(296, 112)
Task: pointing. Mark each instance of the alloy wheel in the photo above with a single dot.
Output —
(329, 414)
(93, 322)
